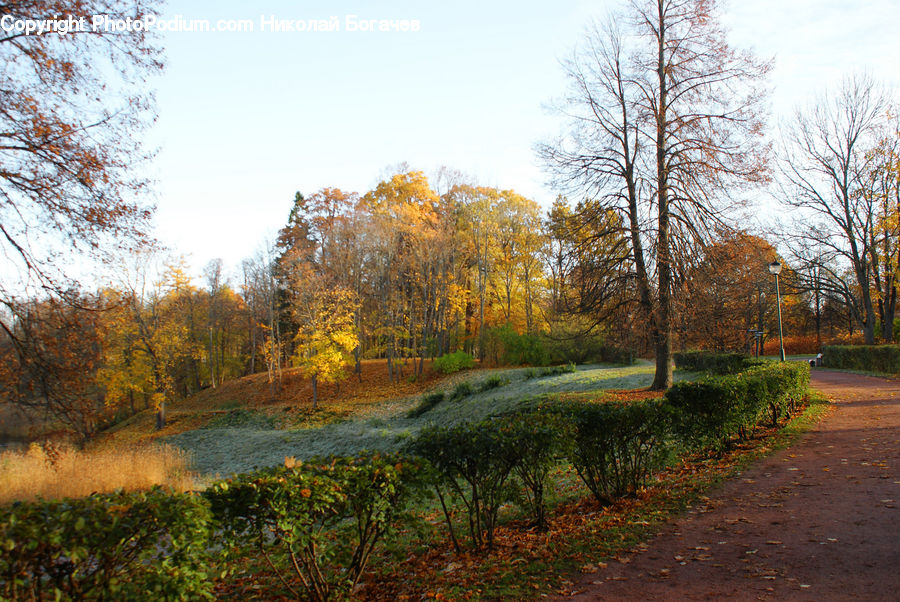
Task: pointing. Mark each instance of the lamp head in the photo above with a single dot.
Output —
(775, 267)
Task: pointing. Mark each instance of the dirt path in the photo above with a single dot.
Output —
(818, 521)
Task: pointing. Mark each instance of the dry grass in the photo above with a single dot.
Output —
(53, 472)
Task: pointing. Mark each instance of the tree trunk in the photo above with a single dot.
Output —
(481, 328)
(663, 378)
(315, 388)
(890, 308)
(161, 416)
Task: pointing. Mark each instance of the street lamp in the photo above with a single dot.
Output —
(775, 268)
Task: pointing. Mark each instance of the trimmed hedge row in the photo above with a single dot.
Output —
(712, 411)
(871, 358)
(474, 462)
(614, 447)
(316, 525)
(118, 546)
(714, 362)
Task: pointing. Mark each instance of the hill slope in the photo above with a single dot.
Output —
(289, 407)
(254, 436)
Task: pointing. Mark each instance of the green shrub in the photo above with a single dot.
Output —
(785, 384)
(243, 418)
(871, 358)
(557, 370)
(709, 413)
(712, 411)
(531, 373)
(507, 347)
(319, 520)
(572, 342)
(428, 403)
(609, 354)
(474, 462)
(572, 345)
(712, 362)
(454, 362)
(493, 382)
(117, 546)
(615, 446)
(537, 439)
(462, 390)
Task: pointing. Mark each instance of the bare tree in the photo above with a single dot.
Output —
(826, 171)
(72, 108)
(664, 118)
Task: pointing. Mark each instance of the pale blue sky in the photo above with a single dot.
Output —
(246, 119)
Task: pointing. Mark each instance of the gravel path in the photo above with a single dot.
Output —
(818, 521)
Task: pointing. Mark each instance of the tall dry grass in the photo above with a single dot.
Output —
(53, 472)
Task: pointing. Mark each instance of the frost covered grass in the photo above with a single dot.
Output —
(242, 445)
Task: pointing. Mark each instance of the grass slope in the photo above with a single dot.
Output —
(244, 440)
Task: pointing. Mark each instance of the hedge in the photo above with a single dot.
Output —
(615, 446)
(538, 439)
(474, 462)
(871, 358)
(290, 514)
(713, 362)
(148, 545)
(710, 412)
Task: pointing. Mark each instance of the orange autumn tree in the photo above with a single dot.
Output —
(71, 111)
(149, 346)
(409, 248)
(59, 384)
(727, 291)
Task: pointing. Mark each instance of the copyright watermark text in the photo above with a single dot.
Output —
(178, 23)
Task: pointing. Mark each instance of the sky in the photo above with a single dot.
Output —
(246, 119)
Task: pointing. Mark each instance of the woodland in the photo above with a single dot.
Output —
(432, 389)
(664, 149)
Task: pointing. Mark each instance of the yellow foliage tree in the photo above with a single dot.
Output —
(326, 336)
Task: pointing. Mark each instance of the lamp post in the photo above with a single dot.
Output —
(775, 268)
